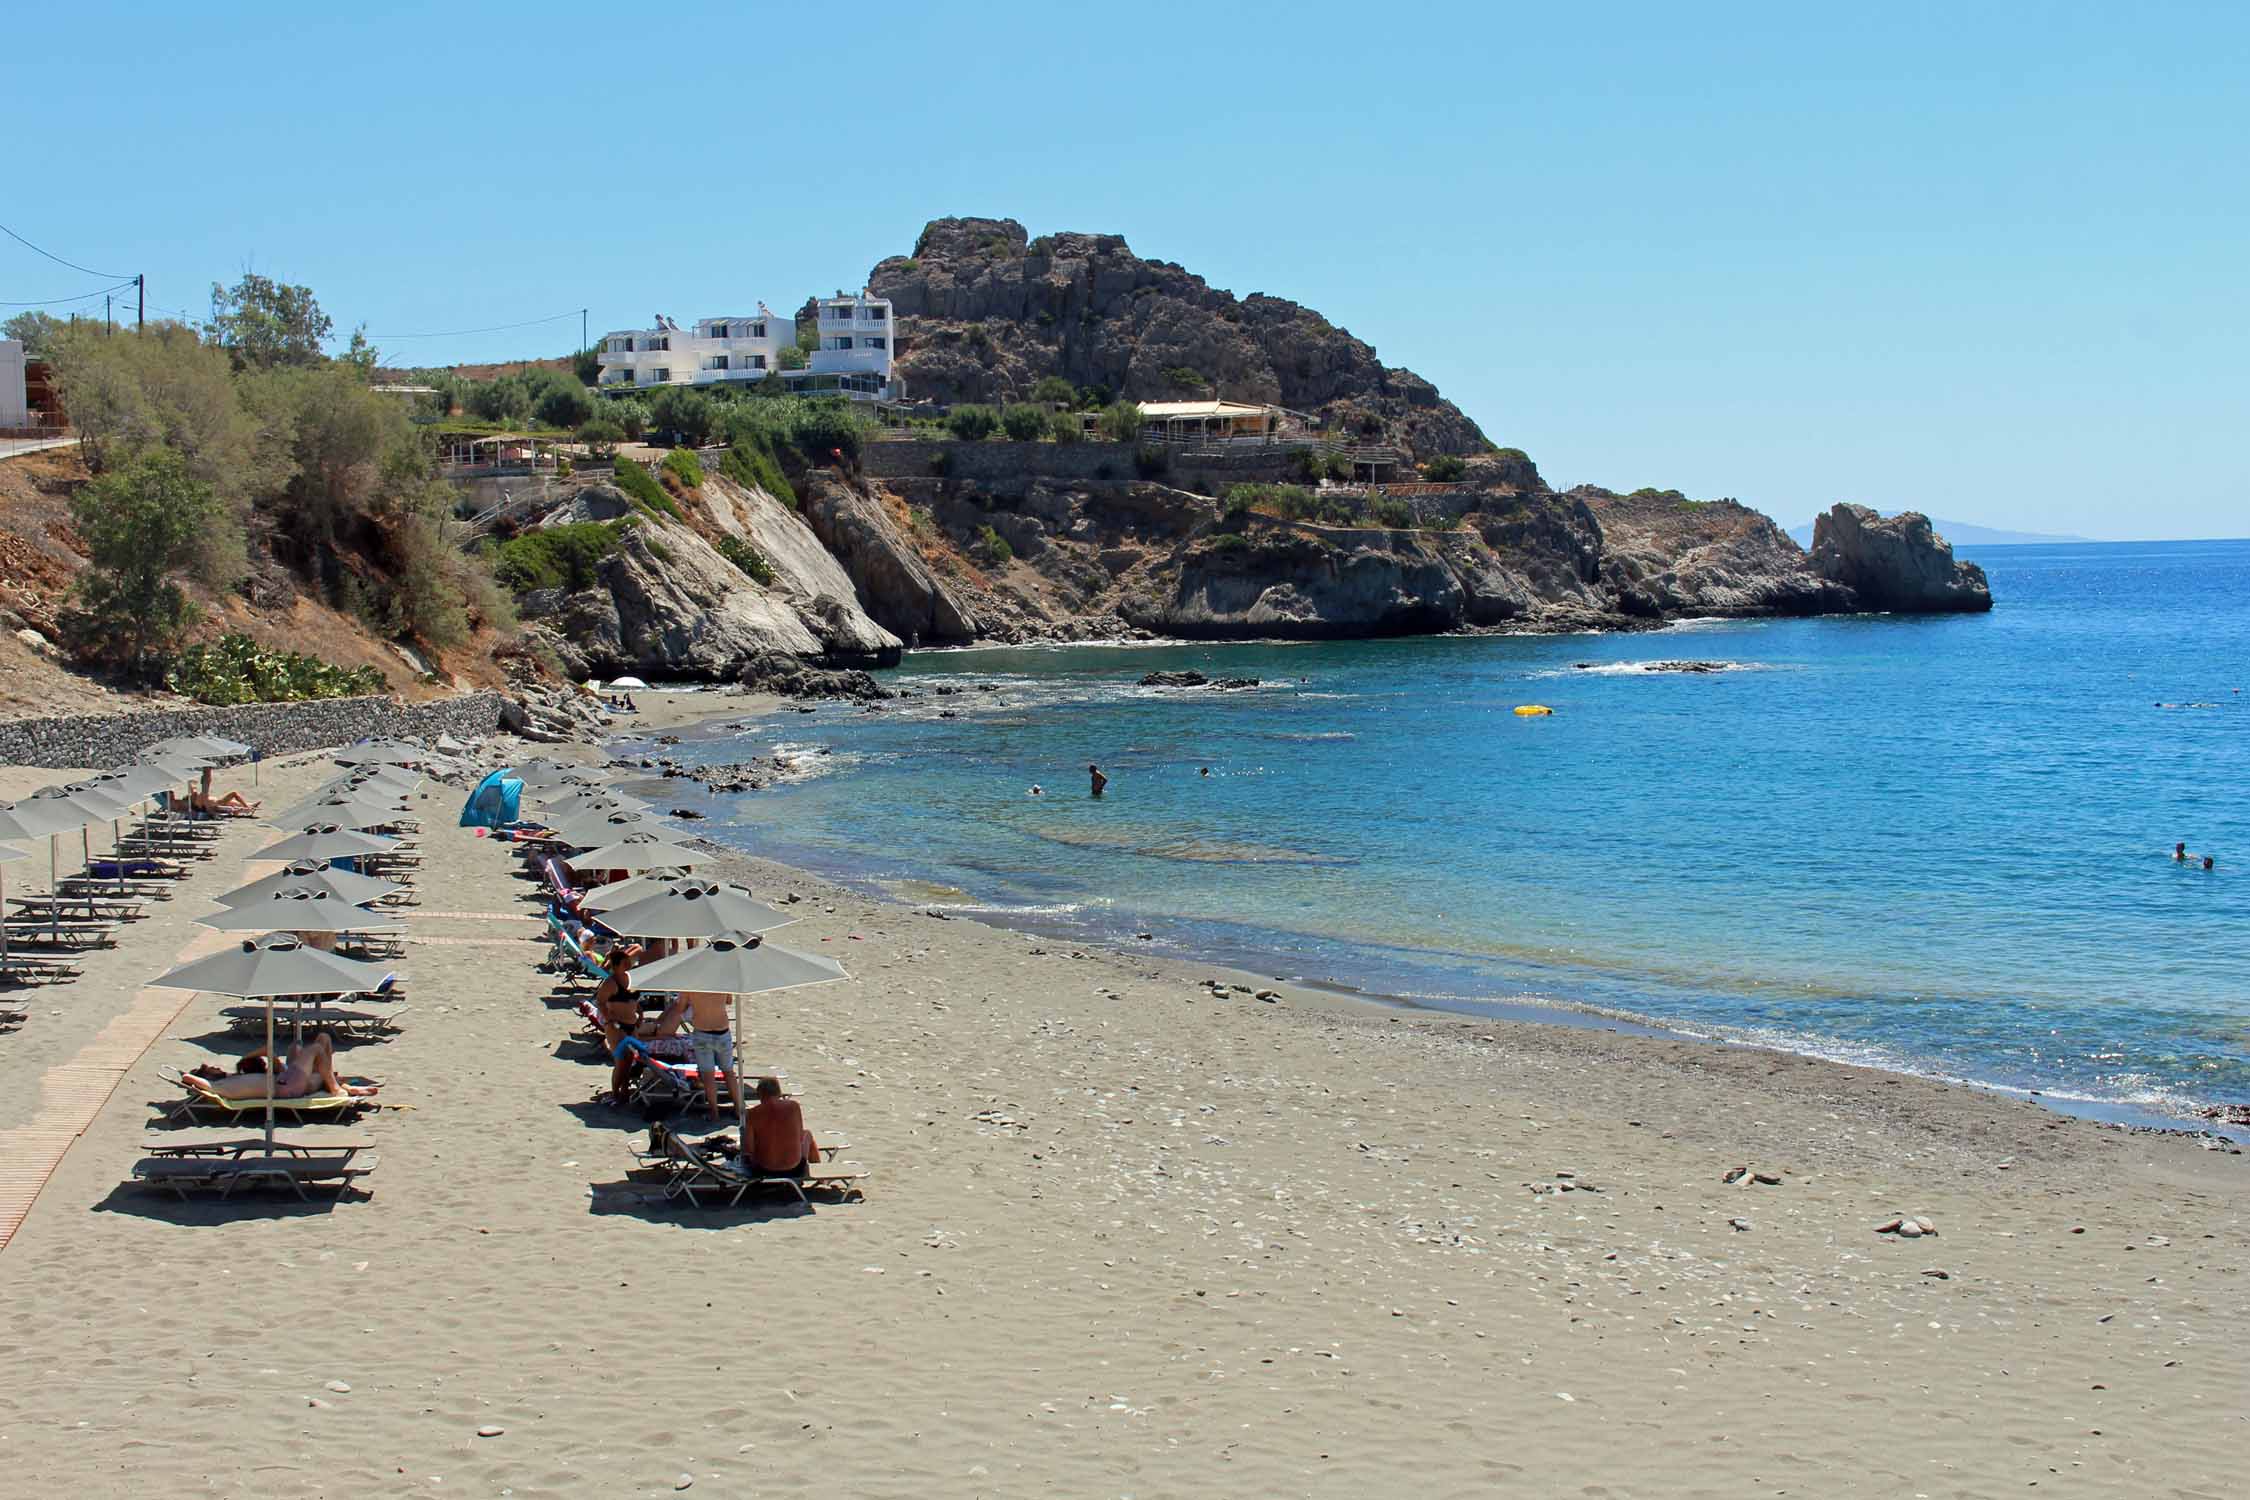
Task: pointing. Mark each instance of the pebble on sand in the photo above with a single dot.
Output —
(490, 1431)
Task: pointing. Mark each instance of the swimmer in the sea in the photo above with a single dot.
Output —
(1206, 770)
(1094, 773)
(2179, 853)
(1037, 790)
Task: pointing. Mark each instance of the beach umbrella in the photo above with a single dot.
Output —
(595, 829)
(597, 803)
(696, 909)
(302, 909)
(279, 963)
(381, 753)
(738, 964)
(194, 747)
(344, 812)
(636, 888)
(573, 777)
(627, 682)
(359, 890)
(636, 851)
(326, 841)
(61, 811)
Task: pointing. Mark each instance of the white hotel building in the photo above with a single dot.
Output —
(853, 360)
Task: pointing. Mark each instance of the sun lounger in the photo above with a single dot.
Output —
(201, 1104)
(357, 1025)
(225, 1167)
(28, 933)
(96, 904)
(695, 1171)
(39, 968)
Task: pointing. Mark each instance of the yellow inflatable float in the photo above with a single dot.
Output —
(1532, 710)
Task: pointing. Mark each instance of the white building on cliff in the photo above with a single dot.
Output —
(857, 341)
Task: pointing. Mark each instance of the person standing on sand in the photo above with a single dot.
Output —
(1099, 780)
(716, 1055)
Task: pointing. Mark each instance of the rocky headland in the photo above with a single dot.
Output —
(939, 542)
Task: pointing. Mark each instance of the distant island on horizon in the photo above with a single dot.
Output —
(1962, 534)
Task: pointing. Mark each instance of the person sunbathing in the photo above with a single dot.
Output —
(775, 1140)
(309, 1070)
(232, 805)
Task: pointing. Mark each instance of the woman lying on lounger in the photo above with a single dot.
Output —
(309, 1070)
(232, 805)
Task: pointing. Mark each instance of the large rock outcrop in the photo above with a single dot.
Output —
(985, 311)
(878, 564)
(1666, 556)
(665, 603)
(1898, 563)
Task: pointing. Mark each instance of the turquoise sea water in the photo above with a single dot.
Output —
(1934, 844)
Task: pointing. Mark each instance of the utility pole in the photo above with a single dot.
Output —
(582, 329)
(140, 298)
(109, 324)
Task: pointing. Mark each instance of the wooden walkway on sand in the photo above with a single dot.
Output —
(72, 1093)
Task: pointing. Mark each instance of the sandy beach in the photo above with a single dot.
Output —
(1122, 1237)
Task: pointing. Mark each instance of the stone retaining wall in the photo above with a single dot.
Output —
(1073, 463)
(102, 742)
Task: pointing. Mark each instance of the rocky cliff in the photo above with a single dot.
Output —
(1088, 561)
(985, 311)
(667, 603)
(1899, 563)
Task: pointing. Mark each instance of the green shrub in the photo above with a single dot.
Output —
(750, 463)
(1024, 423)
(1226, 541)
(825, 428)
(684, 413)
(972, 424)
(564, 405)
(684, 466)
(1053, 390)
(1186, 380)
(641, 488)
(1395, 514)
(234, 669)
(1121, 421)
(1236, 500)
(992, 547)
(632, 415)
(941, 463)
(1065, 427)
(1149, 462)
(555, 557)
(748, 558)
(141, 525)
(1310, 466)
(601, 434)
(1444, 469)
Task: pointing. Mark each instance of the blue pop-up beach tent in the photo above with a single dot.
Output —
(493, 804)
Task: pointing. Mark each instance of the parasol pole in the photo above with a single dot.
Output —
(273, 1079)
(741, 1092)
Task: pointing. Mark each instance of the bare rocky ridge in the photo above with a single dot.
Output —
(985, 311)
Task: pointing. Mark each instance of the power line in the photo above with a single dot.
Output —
(392, 338)
(84, 297)
(58, 260)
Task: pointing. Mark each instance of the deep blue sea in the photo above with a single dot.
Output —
(1935, 844)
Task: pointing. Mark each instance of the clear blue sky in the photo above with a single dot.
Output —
(1986, 261)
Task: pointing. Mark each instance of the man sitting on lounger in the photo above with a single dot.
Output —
(775, 1142)
(309, 1070)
